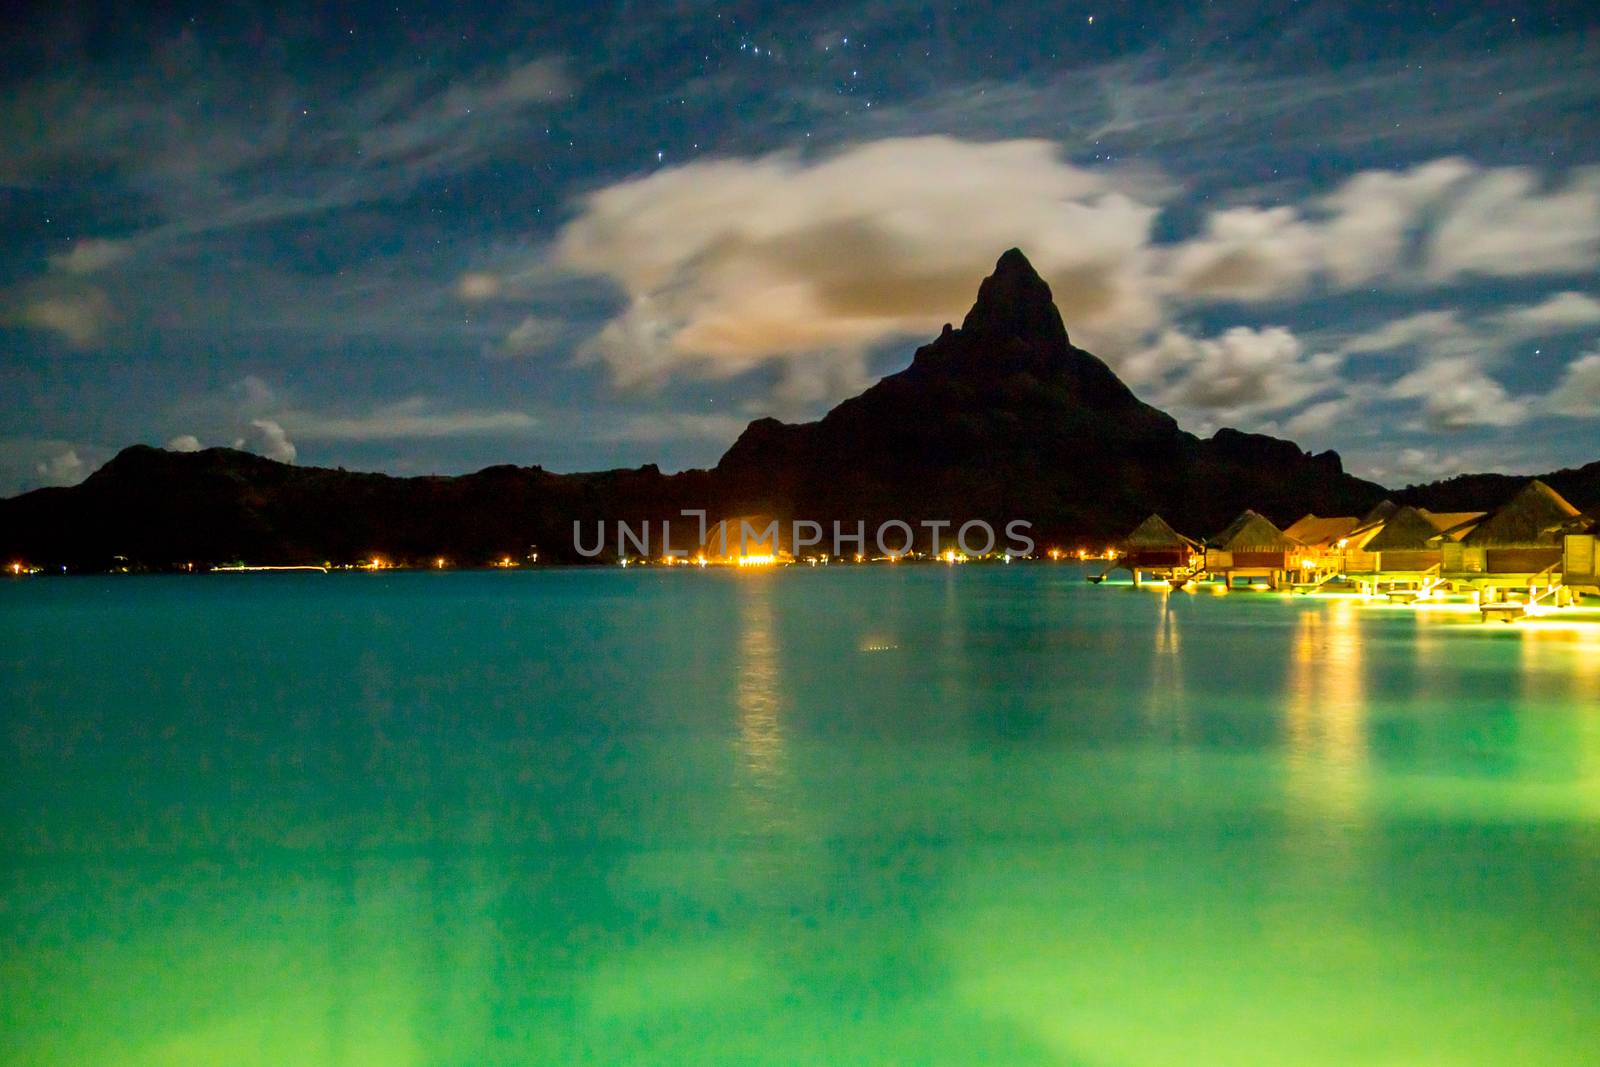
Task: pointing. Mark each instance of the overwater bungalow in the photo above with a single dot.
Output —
(1155, 548)
(1406, 553)
(1523, 546)
(1355, 556)
(1319, 555)
(1250, 547)
(1580, 563)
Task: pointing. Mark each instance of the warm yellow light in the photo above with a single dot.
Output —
(757, 561)
(439, 563)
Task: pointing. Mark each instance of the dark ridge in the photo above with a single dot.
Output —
(1003, 419)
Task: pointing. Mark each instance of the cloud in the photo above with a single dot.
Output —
(64, 468)
(1433, 224)
(1504, 226)
(80, 317)
(1558, 313)
(1439, 333)
(1578, 393)
(737, 263)
(1317, 419)
(89, 255)
(1371, 216)
(267, 438)
(451, 123)
(1456, 394)
(252, 394)
(1244, 373)
(477, 286)
(1249, 253)
(184, 442)
(1417, 465)
(652, 427)
(806, 264)
(408, 419)
(532, 335)
(211, 146)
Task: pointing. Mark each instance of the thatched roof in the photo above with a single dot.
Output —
(1250, 531)
(1380, 511)
(1321, 531)
(1155, 533)
(1412, 528)
(1406, 528)
(1455, 525)
(1537, 516)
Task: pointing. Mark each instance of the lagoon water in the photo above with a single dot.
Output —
(881, 815)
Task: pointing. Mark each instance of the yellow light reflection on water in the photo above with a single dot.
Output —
(1166, 693)
(1325, 714)
(760, 696)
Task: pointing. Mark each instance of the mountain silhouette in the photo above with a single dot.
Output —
(1002, 419)
(1006, 418)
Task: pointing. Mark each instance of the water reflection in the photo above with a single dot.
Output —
(1166, 692)
(1560, 683)
(760, 695)
(1326, 714)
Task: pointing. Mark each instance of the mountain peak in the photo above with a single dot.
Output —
(1014, 302)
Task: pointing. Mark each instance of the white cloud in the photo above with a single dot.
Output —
(267, 438)
(732, 264)
(1578, 393)
(1432, 224)
(1372, 214)
(1248, 253)
(1243, 374)
(252, 394)
(184, 442)
(64, 468)
(1440, 333)
(1457, 394)
(1502, 225)
(408, 419)
(1557, 313)
(1317, 419)
(79, 317)
(667, 426)
(1417, 465)
(477, 286)
(532, 335)
(89, 255)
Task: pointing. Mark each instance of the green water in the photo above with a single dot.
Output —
(886, 815)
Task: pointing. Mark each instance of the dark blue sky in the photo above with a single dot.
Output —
(431, 238)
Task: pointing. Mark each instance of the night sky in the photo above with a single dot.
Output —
(431, 238)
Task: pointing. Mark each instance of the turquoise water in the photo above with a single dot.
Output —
(885, 815)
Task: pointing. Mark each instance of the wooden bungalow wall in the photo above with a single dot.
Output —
(1580, 563)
